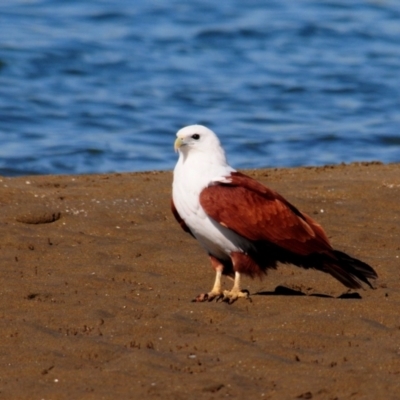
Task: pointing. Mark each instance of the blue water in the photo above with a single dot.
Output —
(101, 86)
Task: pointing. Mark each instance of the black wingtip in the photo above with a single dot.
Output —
(350, 271)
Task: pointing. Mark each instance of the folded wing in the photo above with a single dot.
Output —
(258, 213)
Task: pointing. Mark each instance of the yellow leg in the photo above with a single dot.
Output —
(216, 291)
(235, 293)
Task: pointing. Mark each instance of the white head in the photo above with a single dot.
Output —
(201, 159)
(196, 138)
(199, 141)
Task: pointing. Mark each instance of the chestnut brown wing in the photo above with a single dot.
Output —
(258, 213)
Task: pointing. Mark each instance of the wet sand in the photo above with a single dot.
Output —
(97, 280)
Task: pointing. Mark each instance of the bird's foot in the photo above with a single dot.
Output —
(210, 296)
(230, 296)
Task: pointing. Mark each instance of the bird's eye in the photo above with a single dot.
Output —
(196, 136)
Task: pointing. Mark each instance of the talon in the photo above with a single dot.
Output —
(227, 296)
(231, 296)
(219, 298)
(200, 298)
(207, 297)
(229, 300)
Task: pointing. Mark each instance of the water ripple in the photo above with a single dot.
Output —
(102, 86)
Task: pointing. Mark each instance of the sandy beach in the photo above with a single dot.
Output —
(97, 280)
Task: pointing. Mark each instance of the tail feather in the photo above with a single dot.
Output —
(349, 271)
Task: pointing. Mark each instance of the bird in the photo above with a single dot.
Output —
(245, 227)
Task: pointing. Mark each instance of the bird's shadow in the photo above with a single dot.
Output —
(285, 291)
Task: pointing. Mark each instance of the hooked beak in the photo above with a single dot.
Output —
(179, 142)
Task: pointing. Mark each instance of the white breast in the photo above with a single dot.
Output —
(189, 181)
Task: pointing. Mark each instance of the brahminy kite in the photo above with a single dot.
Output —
(244, 226)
